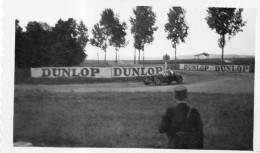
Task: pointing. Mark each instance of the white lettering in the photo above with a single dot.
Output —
(218, 68)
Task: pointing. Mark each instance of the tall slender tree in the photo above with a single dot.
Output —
(143, 27)
(82, 35)
(99, 38)
(176, 27)
(105, 33)
(118, 36)
(225, 21)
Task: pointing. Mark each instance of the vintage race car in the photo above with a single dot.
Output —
(169, 76)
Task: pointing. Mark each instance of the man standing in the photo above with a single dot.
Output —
(182, 124)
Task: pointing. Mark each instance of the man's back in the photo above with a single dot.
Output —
(183, 119)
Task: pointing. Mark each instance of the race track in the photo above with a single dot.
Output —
(210, 82)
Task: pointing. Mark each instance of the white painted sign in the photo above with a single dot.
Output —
(218, 68)
(94, 72)
(56, 72)
(136, 71)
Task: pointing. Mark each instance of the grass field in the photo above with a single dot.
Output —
(127, 120)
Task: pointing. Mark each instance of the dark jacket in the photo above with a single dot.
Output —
(175, 120)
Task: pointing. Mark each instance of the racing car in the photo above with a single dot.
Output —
(169, 76)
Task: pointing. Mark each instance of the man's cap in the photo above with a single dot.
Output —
(180, 92)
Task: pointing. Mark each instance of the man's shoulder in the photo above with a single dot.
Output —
(193, 109)
(194, 112)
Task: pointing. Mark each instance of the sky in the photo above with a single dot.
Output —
(200, 39)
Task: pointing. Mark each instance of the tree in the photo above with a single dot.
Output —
(118, 36)
(82, 35)
(108, 22)
(105, 31)
(42, 45)
(99, 38)
(143, 27)
(73, 37)
(225, 21)
(176, 27)
(35, 45)
(18, 43)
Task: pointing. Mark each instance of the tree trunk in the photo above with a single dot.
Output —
(106, 50)
(222, 57)
(139, 57)
(118, 59)
(143, 56)
(116, 56)
(105, 55)
(135, 57)
(175, 58)
(98, 57)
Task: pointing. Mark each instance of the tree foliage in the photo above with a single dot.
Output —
(143, 26)
(176, 27)
(118, 35)
(18, 43)
(109, 31)
(102, 30)
(31, 46)
(73, 37)
(225, 21)
(43, 45)
(99, 37)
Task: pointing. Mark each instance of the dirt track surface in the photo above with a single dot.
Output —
(209, 82)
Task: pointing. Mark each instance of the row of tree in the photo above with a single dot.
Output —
(64, 44)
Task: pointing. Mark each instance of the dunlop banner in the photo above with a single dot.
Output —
(55, 72)
(94, 72)
(136, 71)
(218, 68)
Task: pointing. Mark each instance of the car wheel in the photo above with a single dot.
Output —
(146, 81)
(179, 80)
(158, 81)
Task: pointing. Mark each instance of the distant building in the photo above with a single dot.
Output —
(201, 54)
(228, 61)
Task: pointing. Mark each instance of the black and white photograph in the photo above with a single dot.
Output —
(157, 75)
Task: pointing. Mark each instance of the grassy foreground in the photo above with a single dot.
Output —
(127, 119)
